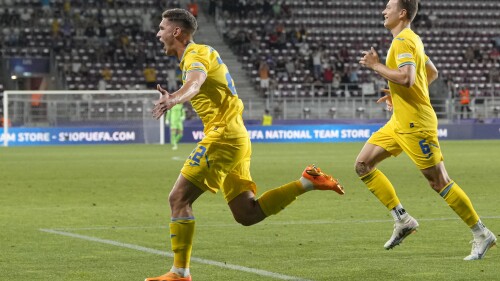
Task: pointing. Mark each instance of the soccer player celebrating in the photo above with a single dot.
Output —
(412, 129)
(221, 160)
(175, 118)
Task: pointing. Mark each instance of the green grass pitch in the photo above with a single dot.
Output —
(119, 194)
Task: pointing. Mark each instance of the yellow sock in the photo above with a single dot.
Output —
(275, 200)
(181, 237)
(382, 188)
(460, 203)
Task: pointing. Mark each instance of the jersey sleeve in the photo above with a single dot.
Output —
(197, 61)
(404, 52)
(426, 59)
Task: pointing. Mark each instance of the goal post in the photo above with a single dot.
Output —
(67, 117)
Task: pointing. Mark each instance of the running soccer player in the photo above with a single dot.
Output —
(412, 129)
(221, 160)
(175, 119)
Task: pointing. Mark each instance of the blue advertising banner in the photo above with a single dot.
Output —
(65, 136)
(344, 133)
(31, 65)
(297, 133)
(20, 136)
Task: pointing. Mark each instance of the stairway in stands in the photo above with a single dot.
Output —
(208, 34)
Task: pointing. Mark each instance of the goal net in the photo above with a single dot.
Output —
(80, 117)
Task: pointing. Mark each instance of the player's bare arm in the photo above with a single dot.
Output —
(191, 87)
(404, 75)
(387, 99)
(432, 72)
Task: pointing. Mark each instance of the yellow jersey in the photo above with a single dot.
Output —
(267, 120)
(412, 106)
(217, 103)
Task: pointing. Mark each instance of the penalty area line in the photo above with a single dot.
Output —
(169, 254)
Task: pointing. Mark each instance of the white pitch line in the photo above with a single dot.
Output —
(316, 222)
(168, 254)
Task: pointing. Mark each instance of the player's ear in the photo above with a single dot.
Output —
(177, 32)
(403, 14)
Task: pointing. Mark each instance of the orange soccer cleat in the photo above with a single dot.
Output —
(321, 180)
(169, 276)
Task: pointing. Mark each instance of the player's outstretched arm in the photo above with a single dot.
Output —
(191, 87)
(404, 75)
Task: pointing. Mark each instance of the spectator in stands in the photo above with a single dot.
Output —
(276, 9)
(267, 118)
(344, 54)
(55, 27)
(67, 7)
(290, 66)
(478, 56)
(494, 55)
(339, 64)
(464, 95)
(192, 7)
(146, 21)
(264, 77)
(101, 84)
(316, 61)
(469, 55)
(335, 82)
(432, 19)
(353, 75)
(106, 74)
(496, 42)
(302, 34)
(212, 5)
(25, 17)
(494, 74)
(150, 77)
(45, 6)
(328, 75)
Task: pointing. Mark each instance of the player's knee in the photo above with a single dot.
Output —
(176, 201)
(245, 220)
(361, 168)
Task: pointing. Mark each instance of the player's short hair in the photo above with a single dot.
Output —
(411, 7)
(183, 17)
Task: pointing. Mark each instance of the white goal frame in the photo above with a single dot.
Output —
(76, 92)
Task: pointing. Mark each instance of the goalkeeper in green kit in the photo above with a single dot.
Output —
(175, 118)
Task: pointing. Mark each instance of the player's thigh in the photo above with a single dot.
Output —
(176, 126)
(239, 180)
(422, 148)
(212, 160)
(383, 138)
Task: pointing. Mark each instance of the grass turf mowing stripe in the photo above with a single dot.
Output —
(168, 254)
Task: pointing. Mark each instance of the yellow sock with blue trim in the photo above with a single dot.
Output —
(273, 201)
(460, 203)
(181, 238)
(382, 188)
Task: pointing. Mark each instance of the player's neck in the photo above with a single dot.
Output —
(400, 27)
(182, 48)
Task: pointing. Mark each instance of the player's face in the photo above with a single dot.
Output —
(166, 35)
(391, 14)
